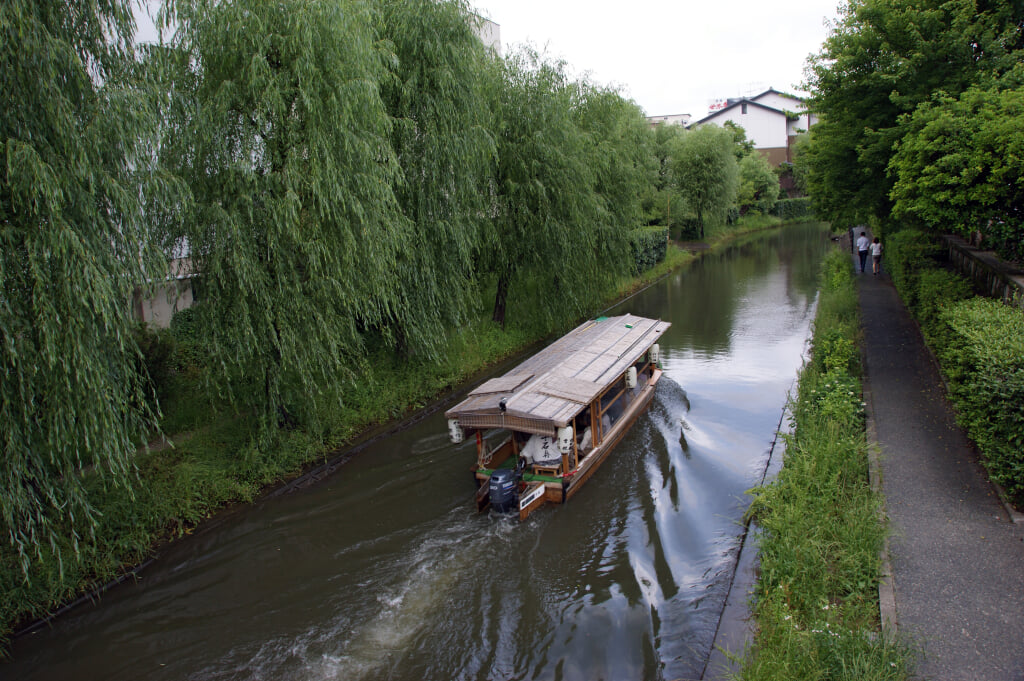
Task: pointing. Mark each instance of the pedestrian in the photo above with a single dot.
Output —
(862, 249)
(876, 255)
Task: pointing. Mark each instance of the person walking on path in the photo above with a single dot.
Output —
(876, 256)
(862, 249)
(955, 550)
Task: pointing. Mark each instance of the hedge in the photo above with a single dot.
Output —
(794, 209)
(648, 245)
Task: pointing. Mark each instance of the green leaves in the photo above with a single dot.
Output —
(884, 59)
(73, 246)
(294, 228)
(961, 166)
(706, 172)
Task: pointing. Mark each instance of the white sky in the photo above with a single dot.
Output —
(675, 56)
(672, 57)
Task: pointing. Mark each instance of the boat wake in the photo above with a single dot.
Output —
(347, 649)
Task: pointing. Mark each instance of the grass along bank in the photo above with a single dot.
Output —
(214, 462)
(816, 603)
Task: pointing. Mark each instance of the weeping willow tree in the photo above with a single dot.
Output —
(440, 136)
(294, 230)
(625, 168)
(548, 226)
(73, 247)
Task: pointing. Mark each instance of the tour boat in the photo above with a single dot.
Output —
(543, 428)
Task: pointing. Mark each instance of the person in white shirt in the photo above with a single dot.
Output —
(876, 255)
(862, 249)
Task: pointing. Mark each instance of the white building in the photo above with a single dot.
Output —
(772, 121)
(489, 33)
(671, 119)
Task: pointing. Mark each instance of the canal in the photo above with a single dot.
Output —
(384, 571)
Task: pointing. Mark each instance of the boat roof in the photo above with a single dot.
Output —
(550, 388)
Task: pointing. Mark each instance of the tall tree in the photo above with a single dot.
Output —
(294, 231)
(759, 185)
(705, 169)
(620, 155)
(440, 136)
(663, 203)
(548, 227)
(73, 245)
(960, 167)
(882, 59)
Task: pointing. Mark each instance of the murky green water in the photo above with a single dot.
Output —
(384, 570)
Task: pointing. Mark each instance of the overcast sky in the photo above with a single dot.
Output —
(675, 56)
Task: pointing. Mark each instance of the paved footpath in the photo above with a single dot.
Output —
(957, 555)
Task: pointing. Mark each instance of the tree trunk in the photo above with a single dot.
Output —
(499, 300)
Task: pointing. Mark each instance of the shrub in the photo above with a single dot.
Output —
(158, 349)
(937, 289)
(185, 330)
(907, 253)
(794, 209)
(648, 245)
(984, 361)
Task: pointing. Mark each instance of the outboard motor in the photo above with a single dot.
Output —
(503, 491)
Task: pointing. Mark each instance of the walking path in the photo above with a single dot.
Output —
(957, 555)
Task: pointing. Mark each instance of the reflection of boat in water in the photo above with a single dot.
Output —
(562, 412)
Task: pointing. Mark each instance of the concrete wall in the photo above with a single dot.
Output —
(156, 307)
(991, 275)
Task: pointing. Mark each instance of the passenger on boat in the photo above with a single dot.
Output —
(587, 441)
(541, 450)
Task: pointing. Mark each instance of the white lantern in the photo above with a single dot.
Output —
(565, 439)
(631, 377)
(455, 431)
(655, 353)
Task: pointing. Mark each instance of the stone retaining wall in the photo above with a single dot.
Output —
(991, 275)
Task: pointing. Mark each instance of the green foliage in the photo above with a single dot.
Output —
(437, 97)
(882, 59)
(190, 350)
(980, 345)
(76, 136)
(158, 350)
(907, 253)
(816, 605)
(705, 171)
(283, 137)
(552, 226)
(759, 185)
(794, 209)
(648, 246)
(663, 204)
(984, 360)
(960, 166)
(937, 290)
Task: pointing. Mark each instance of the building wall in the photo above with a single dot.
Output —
(766, 129)
(164, 300)
(781, 102)
(672, 119)
(775, 155)
(489, 33)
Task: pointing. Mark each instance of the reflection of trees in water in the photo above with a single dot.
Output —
(702, 300)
